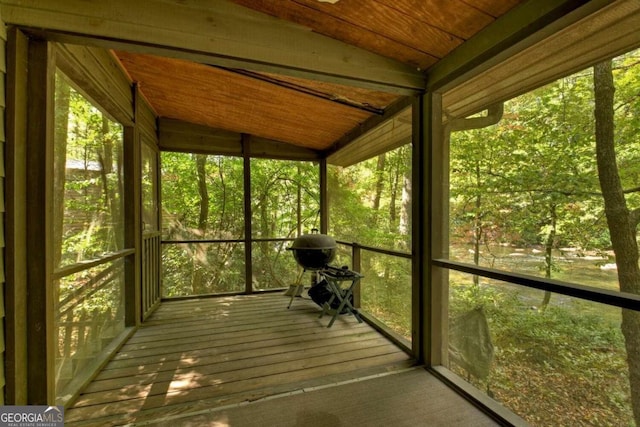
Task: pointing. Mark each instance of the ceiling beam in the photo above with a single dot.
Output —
(606, 33)
(333, 154)
(221, 33)
(513, 32)
(176, 135)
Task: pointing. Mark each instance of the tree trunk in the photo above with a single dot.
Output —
(477, 224)
(199, 260)
(548, 253)
(63, 91)
(366, 261)
(201, 162)
(379, 183)
(405, 209)
(105, 158)
(299, 203)
(622, 226)
(395, 184)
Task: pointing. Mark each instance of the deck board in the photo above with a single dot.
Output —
(199, 354)
(408, 398)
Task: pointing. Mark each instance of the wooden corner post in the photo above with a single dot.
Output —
(39, 197)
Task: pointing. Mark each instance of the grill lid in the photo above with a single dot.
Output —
(314, 240)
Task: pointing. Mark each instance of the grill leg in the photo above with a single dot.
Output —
(295, 290)
(343, 296)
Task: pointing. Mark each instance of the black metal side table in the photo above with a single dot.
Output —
(335, 278)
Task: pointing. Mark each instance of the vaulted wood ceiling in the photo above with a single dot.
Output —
(299, 111)
(305, 113)
(415, 32)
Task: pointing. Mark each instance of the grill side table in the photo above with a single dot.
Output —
(336, 279)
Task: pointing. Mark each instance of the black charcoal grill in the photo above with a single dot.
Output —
(314, 251)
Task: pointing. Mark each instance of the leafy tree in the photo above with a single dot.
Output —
(202, 200)
(623, 222)
(88, 223)
(63, 91)
(285, 203)
(370, 202)
(525, 179)
(553, 168)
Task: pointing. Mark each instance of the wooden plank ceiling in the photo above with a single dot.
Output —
(302, 112)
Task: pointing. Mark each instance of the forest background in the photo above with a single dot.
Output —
(536, 193)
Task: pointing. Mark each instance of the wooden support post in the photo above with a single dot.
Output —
(132, 218)
(356, 260)
(436, 180)
(248, 263)
(40, 287)
(324, 199)
(419, 240)
(16, 220)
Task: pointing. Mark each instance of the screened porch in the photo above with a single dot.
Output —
(161, 157)
(236, 360)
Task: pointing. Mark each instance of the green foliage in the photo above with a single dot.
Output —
(210, 206)
(533, 175)
(88, 188)
(386, 291)
(276, 189)
(531, 181)
(89, 157)
(149, 188)
(88, 223)
(370, 202)
(219, 268)
(182, 202)
(562, 366)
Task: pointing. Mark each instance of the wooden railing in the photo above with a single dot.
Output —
(150, 282)
(86, 319)
(356, 260)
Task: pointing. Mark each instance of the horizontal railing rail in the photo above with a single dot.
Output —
(377, 250)
(86, 291)
(379, 325)
(91, 263)
(191, 241)
(604, 296)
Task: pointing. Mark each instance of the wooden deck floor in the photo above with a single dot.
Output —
(195, 355)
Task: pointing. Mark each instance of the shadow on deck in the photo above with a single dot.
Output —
(200, 362)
